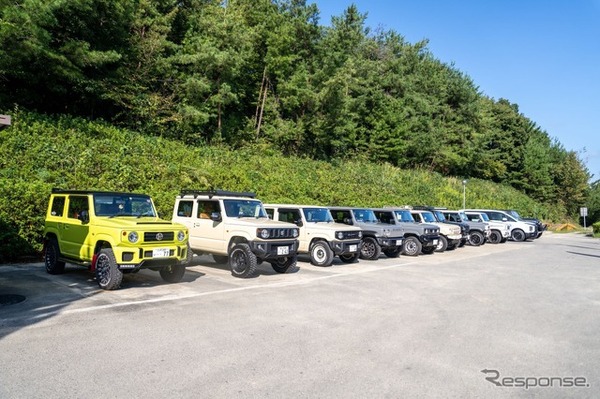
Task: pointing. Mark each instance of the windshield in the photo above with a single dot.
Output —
(514, 214)
(404, 216)
(364, 215)
(317, 215)
(440, 216)
(485, 217)
(235, 208)
(112, 205)
(428, 217)
(463, 216)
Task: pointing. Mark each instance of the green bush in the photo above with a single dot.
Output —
(596, 228)
(38, 153)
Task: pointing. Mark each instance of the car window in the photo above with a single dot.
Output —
(77, 204)
(206, 208)
(317, 215)
(58, 206)
(364, 215)
(289, 215)
(184, 209)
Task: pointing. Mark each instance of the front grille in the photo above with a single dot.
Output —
(279, 233)
(348, 235)
(150, 236)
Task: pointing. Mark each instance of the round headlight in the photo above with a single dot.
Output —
(264, 233)
(295, 233)
(180, 235)
(339, 235)
(133, 237)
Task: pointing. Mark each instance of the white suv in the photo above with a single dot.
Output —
(499, 231)
(519, 230)
(235, 228)
(320, 236)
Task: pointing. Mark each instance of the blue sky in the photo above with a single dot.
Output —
(542, 55)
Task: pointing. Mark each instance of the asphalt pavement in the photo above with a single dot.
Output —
(506, 320)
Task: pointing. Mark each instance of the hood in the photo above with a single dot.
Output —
(324, 226)
(259, 223)
(133, 222)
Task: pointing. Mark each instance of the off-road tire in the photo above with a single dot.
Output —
(392, 253)
(517, 235)
(220, 259)
(172, 274)
(108, 275)
(321, 254)
(442, 244)
(411, 246)
(370, 249)
(242, 261)
(495, 237)
(285, 265)
(349, 258)
(428, 250)
(189, 255)
(51, 255)
(476, 238)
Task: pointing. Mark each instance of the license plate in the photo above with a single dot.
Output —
(161, 253)
(353, 248)
(283, 250)
(435, 242)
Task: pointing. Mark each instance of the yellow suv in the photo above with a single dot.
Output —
(112, 234)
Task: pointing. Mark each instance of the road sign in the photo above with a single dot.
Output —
(583, 211)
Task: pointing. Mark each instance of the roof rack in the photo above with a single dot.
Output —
(220, 193)
(56, 190)
(423, 208)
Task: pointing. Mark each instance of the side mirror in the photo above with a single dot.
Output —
(215, 216)
(348, 221)
(84, 216)
(504, 219)
(299, 223)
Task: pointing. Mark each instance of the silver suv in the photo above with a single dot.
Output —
(235, 228)
(377, 236)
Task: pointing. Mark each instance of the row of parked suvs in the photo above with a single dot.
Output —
(115, 233)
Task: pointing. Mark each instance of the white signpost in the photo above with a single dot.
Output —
(583, 212)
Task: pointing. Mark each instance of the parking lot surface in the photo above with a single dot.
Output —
(507, 320)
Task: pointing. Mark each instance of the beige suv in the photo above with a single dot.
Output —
(320, 236)
(450, 234)
(234, 228)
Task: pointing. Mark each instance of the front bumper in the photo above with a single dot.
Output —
(274, 249)
(345, 247)
(132, 258)
(390, 242)
(429, 241)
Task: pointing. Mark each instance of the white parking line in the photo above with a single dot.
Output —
(228, 290)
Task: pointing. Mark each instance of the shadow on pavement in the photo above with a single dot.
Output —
(28, 295)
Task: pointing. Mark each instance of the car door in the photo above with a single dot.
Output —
(74, 232)
(210, 232)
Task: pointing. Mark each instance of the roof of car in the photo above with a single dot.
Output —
(87, 192)
(294, 206)
(216, 193)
